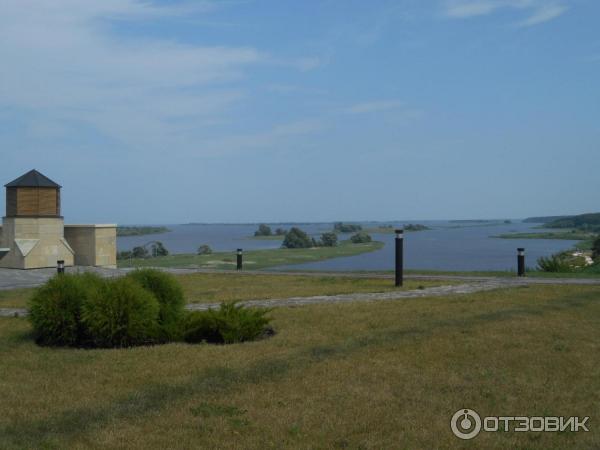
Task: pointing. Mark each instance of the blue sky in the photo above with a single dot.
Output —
(245, 111)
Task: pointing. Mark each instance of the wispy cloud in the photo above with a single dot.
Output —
(539, 11)
(544, 14)
(64, 64)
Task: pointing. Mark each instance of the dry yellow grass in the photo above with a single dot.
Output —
(380, 375)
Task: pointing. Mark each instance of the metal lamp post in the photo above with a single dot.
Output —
(521, 261)
(239, 258)
(60, 266)
(399, 257)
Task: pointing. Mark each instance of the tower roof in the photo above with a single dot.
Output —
(33, 179)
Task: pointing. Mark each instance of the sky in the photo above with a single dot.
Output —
(151, 112)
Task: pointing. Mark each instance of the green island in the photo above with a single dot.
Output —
(140, 231)
(256, 259)
(391, 229)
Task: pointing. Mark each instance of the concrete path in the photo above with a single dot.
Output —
(439, 291)
(12, 279)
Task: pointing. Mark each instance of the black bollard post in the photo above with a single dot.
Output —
(399, 257)
(521, 261)
(239, 259)
(60, 266)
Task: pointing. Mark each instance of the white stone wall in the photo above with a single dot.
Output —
(94, 245)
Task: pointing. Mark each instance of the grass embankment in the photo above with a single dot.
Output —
(273, 237)
(219, 287)
(140, 231)
(575, 235)
(379, 375)
(255, 259)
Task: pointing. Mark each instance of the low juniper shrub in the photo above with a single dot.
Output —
(55, 309)
(122, 314)
(228, 324)
(171, 300)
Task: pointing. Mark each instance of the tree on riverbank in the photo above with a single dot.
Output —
(263, 230)
(296, 238)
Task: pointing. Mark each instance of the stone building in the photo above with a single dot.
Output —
(33, 234)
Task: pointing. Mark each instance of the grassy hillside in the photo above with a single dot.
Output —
(364, 375)
(544, 219)
(587, 222)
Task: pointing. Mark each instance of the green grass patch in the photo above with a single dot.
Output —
(576, 235)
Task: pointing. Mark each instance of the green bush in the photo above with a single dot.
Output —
(140, 252)
(329, 239)
(554, 263)
(55, 309)
(361, 238)
(169, 294)
(158, 249)
(229, 324)
(263, 230)
(296, 238)
(340, 227)
(596, 250)
(204, 250)
(121, 314)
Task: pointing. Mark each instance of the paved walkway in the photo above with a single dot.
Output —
(12, 279)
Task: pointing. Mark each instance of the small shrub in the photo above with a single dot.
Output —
(329, 239)
(121, 314)
(346, 227)
(139, 252)
(55, 309)
(204, 250)
(361, 238)
(554, 263)
(169, 294)
(596, 250)
(296, 238)
(229, 324)
(158, 249)
(125, 254)
(263, 230)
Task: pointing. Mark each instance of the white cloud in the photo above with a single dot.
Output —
(539, 11)
(544, 14)
(62, 63)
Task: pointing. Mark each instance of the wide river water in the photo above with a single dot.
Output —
(446, 246)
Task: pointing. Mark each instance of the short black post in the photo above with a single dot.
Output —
(60, 266)
(239, 259)
(399, 257)
(521, 261)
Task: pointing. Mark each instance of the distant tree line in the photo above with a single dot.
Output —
(140, 231)
(265, 230)
(341, 227)
(141, 252)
